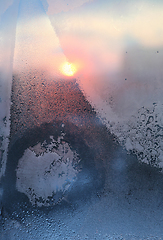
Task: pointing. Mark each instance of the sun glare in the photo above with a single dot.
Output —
(68, 69)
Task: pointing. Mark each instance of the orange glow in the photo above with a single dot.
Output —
(68, 69)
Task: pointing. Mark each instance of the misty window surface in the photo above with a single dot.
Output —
(81, 119)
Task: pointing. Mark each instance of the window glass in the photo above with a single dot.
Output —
(81, 119)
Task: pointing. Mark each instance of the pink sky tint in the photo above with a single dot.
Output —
(58, 6)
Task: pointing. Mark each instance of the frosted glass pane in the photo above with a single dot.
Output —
(81, 119)
(8, 19)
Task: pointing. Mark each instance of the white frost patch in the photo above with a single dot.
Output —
(142, 134)
(128, 144)
(45, 172)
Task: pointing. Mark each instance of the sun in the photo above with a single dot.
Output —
(68, 69)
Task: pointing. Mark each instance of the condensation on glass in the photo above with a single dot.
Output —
(74, 75)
